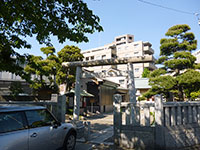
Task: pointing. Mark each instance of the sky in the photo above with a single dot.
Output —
(146, 22)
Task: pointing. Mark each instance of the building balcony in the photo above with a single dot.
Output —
(148, 50)
(150, 66)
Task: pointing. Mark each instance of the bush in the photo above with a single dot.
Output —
(141, 98)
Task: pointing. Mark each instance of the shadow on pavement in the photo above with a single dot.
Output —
(99, 116)
(98, 127)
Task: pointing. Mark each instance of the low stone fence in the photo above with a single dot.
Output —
(156, 125)
(58, 108)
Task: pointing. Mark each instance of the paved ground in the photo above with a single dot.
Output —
(101, 133)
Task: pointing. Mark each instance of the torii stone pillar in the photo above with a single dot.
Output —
(135, 114)
(77, 96)
(131, 83)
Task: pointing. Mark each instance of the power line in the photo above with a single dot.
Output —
(173, 9)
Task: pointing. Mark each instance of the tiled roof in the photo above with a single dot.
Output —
(142, 83)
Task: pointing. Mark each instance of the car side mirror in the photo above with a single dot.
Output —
(56, 124)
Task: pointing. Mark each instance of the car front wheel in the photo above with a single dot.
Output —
(70, 141)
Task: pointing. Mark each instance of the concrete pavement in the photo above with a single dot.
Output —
(101, 130)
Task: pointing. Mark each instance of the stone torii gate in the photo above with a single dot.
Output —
(129, 61)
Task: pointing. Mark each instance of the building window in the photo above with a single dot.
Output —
(121, 81)
(135, 45)
(103, 56)
(92, 57)
(118, 39)
(126, 55)
(98, 57)
(130, 38)
(121, 43)
(87, 58)
(136, 53)
(137, 69)
(113, 56)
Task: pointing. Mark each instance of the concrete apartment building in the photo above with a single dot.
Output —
(197, 55)
(123, 46)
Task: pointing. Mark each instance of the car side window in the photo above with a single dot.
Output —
(11, 121)
(39, 118)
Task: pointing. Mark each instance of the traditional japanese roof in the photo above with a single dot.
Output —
(83, 93)
(142, 83)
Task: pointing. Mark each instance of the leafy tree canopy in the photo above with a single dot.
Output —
(176, 59)
(65, 19)
(68, 54)
(146, 73)
(190, 81)
(42, 70)
(47, 70)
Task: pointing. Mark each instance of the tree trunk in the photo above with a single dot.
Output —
(180, 89)
(180, 93)
(170, 97)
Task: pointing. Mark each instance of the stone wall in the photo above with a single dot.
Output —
(178, 137)
(137, 137)
(176, 124)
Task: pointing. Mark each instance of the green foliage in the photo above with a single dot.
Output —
(161, 60)
(153, 121)
(50, 68)
(145, 73)
(190, 81)
(182, 60)
(163, 82)
(48, 50)
(68, 54)
(161, 85)
(195, 95)
(70, 111)
(16, 89)
(157, 72)
(151, 92)
(65, 19)
(43, 69)
(197, 66)
(141, 98)
(176, 57)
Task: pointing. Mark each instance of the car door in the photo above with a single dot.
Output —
(13, 131)
(42, 134)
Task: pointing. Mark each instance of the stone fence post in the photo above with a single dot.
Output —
(117, 98)
(61, 108)
(159, 123)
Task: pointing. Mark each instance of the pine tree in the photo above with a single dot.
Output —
(176, 60)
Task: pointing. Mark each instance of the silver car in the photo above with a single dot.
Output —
(33, 128)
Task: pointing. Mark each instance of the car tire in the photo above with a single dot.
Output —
(70, 141)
